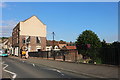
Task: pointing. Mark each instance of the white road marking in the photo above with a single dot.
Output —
(33, 65)
(54, 69)
(14, 74)
(57, 71)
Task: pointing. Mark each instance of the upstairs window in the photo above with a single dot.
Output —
(28, 39)
(38, 40)
(17, 40)
(23, 41)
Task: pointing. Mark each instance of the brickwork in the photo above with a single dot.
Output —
(33, 43)
(15, 36)
(32, 27)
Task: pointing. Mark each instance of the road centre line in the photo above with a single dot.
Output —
(48, 69)
(33, 65)
(30, 63)
(57, 71)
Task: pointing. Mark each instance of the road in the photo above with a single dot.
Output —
(22, 69)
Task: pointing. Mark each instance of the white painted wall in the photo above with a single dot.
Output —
(16, 51)
(12, 51)
(48, 48)
(29, 48)
(38, 47)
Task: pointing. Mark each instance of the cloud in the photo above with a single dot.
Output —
(2, 5)
(7, 27)
(4, 26)
(9, 23)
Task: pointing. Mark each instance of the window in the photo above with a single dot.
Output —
(23, 40)
(28, 39)
(38, 40)
(17, 40)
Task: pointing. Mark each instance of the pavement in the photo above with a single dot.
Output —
(94, 71)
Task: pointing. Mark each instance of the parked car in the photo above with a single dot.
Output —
(2, 53)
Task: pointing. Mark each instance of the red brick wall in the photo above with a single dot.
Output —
(33, 43)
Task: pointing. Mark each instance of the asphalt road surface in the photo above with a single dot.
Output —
(21, 69)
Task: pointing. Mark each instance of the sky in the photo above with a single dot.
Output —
(67, 19)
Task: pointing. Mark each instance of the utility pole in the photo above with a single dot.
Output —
(53, 33)
(53, 45)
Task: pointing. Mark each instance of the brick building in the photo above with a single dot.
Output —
(30, 34)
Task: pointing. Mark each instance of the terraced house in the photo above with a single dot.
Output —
(31, 34)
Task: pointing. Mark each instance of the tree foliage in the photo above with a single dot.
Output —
(88, 37)
(110, 53)
(4, 38)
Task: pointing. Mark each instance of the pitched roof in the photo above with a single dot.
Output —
(50, 43)
(62, 42)
(69, 47)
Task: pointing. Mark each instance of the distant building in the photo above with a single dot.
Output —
(58, 45)
(69, 48)
(4, 44)
(49, 45)
(71, 44)
(1, 44)
(9, 45)
(62, 44)
(30, 34)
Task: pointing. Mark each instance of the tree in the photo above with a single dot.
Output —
(88, 37)
(116, 46)
(110, 53)
(104, 51)
(4, 38)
